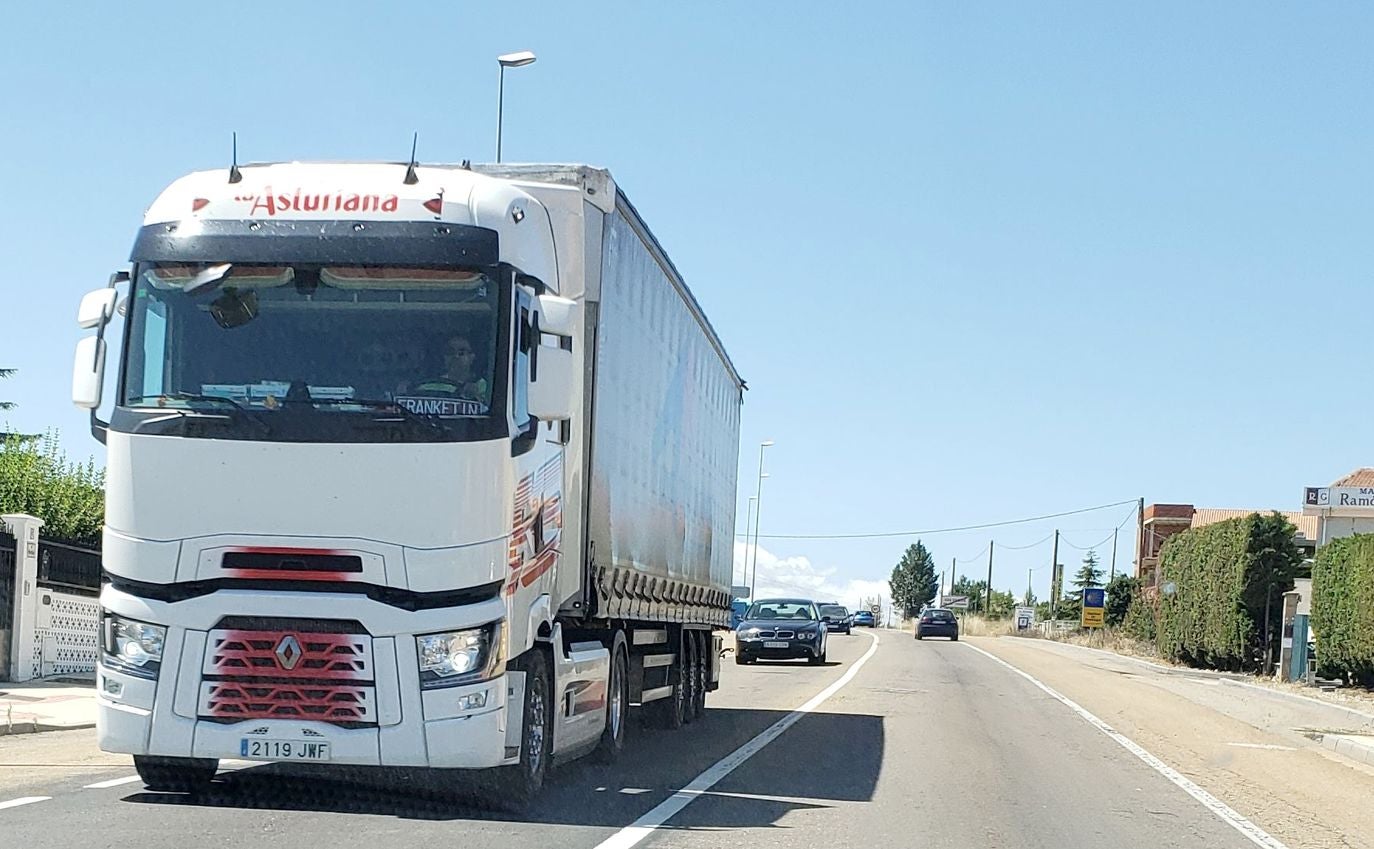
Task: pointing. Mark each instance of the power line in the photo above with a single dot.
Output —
(1046, 539)
(931, 531)
(978, 556)
(1107, 539)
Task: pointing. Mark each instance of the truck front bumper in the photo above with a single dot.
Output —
(136, 722)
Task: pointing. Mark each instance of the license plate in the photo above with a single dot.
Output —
(283, 750)
(775, 644)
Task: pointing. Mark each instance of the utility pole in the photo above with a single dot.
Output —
(1054, 577)
(1113, 575)
(1140, 537)
(987, 594)
(1030, 591)
(940, 596)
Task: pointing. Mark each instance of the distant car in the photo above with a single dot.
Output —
(781, 629)
(837, 618)
(937, 622)
(865, 618)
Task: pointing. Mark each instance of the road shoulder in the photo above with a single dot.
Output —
(1251, 750)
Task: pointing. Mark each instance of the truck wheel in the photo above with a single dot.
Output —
(617, 702)
(517, 785)
(703, 671)
(175, 775)
(669, 713)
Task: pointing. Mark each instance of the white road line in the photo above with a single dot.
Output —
(1230, 816)
(641, 828)
(23, 800)
(1271, 746)
(113, 782)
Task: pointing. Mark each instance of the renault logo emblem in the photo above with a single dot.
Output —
(288, 652)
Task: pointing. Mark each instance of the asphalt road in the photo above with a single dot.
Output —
(930, 744)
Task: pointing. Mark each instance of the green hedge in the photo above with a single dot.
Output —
(1343, 607)
(1221, 575)
(1142, 618)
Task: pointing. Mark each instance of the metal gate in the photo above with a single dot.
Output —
(7, 567)
(68, 618)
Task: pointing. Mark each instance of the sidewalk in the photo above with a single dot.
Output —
(45, 706)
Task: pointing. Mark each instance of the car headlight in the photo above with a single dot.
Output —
(461, 657)
(132, 646)
(750, 633)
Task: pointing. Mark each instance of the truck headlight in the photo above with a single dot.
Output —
(132, 646)
(461, 657)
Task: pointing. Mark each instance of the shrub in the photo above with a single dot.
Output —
(1343, 607)
(36, 478)
(1222, 575)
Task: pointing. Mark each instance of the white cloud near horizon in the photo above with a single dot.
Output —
(798, 576)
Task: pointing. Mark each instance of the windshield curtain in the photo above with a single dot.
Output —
(301, 351)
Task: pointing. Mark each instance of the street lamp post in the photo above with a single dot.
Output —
(758, 510)
(748, 520)
(508, 60)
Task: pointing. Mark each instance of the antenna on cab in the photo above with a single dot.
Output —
(235, 175)
(411, 177)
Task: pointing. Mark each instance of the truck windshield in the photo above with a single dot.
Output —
(284, 347)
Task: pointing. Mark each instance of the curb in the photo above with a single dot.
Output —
(1347, 745)
(34, 727)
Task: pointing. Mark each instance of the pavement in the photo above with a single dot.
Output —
(46, 706)
(985, 742)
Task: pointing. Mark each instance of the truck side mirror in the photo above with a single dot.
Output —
(88, 371)
(551, 394)
(557, 315)
(96, 308)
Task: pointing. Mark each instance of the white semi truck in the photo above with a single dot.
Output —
(408, 466)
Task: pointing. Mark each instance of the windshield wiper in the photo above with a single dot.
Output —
(238, 411)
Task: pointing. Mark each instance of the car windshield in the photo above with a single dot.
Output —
(834, 611)
(333, 340)
(782, 610)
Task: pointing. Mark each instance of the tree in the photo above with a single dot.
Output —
(1121, 591)
(36, 478)
(913, 580)
(6, 405)
(1089, 575)
(1002, 606)
(975, 590)
(1029, 599)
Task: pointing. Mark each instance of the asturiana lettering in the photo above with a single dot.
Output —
(273, 203)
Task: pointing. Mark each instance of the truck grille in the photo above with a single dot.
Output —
(230, 701)
(288, 673)
(305, 655)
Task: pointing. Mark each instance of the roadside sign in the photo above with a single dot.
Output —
(956, 602)
(1025, 618)
(1094, 607)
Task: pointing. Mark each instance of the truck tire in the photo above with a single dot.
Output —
(175, 775)
(517, 785)
(701, 670)
(669, 713)
(612, 743)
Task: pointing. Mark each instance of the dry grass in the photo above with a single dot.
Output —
(977, 626)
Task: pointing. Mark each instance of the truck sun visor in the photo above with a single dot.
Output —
(170, 276)
(365, 277)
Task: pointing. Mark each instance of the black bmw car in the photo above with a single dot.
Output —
(780, 629)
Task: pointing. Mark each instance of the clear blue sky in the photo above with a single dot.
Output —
(977, 261)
